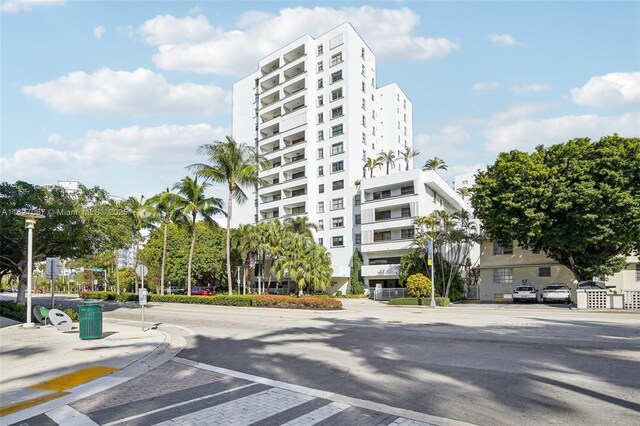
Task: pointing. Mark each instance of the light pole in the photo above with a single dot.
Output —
(430, 262)
(30, 217)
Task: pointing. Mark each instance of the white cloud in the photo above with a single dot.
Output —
(99, 31)
(15, 6)
(530, 88)
(452, 142)
(484, 87)
(193, 44)
(138, 93)
(526, 134)
(169, 146)
(610, 90)
(521, 111)
(503, 39)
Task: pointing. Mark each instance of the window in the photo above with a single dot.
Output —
(337, 204)
(336, 94)
(320, 66)
(338, 166)
(321, 207)
(320, 49)
(364, 104)
(297, 210)
(320, 225)
(336, 59)
(407, 233)
(320, 153)
(336, 76)
(321, 188)
(320, 118)
(364, 138)
(373, 131)
(297, 175)
(320, 241)
(405, 104)
(357, 200)
(338, 184)
(320, 83)
(364, 121)
(373, 114)
(383, 214)
(358, 219)
(364, 89)
(337, 130)
(337, 241)
(336, 112)
(297, 192)
(320, 135)
(320, 100)
(502, 249)
(503, 276)
(405, 131)
(337, 222)
(320, 171)
(364, 71)
(358, 238)
(544, 271)
(405, 212)
(405, 117)
(382, 236)
(362, 53)
(382, 194)
(406, 190)
(337, 148)
(465, 182)
(373, 82)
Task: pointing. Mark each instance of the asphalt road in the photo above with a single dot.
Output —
(483, 364)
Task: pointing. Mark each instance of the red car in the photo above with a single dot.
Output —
(202, 291)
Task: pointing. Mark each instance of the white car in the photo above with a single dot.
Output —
(556, 293)
(525, 293)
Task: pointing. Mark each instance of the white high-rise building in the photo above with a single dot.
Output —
(314, 110)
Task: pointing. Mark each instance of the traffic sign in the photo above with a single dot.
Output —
(142, 270)
(52, 268)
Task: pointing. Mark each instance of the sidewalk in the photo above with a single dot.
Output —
(43, 368)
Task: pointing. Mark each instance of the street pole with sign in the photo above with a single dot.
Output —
(30, 217)
(141, 271)
(52, 271)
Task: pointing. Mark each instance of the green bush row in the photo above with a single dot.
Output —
(307, 302)
(13, 310)
(354, 296)
(422, 301)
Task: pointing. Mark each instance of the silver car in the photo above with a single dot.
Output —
(525, 293)
(556, 293)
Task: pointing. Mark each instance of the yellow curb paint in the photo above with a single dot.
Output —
(19, 406)
(73, 379)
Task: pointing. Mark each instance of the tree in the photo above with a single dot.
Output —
(388, 159)
(435, 164)
(357, 285)
(300, 225)
(306, 263)
(578, 202)
(371, 164)
(235, 164)
(407, 155)
(141, 216)
(464, 192)
(166, 211)
(418, 285)
(191, 201)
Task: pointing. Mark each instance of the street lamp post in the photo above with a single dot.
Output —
(30, 217)
(430, 261)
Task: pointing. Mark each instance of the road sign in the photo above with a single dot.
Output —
(97, 270)
(142, 297)
(52, 268)
(141, 270)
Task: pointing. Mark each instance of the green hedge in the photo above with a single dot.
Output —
(307, 302)
(12, 310)
(423, 301)
(355, 296)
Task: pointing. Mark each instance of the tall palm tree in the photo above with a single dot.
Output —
(166, 212)
(235, 164)
(407, 155)
(140, 215)
(464, 192)
(300, 225)
(191, 201)
(389, 159)
(372, 163)
(435, 164)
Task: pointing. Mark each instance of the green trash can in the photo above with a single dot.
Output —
(90, 314)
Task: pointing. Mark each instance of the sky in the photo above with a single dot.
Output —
(119, 94)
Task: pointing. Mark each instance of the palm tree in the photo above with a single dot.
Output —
(300, 225)
(166, 211)
(435, 164)
(407, 155)
(388, 158)
(464, 192)
(372, 164)
(191, 201)
(235, 164)
(140, 214)
(306, 263)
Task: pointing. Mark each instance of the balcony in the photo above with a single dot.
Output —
(295, 209)
(270, 67)
(294, 156)
(270, 213)
(380, 270)
(270, 99)
(269, 148)
(270, 197)
(294, 88)
(270, 83)
(295, 191)
(386, 245)
(293, 174)
(294, 54)
(272, 177)
(269, 131)
(294, 105)
(270, 115)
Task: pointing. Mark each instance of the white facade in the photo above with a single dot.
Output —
(389, 204)
(314, 111)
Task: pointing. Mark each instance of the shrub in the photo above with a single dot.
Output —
(12, 310)
(422, 301)
(418, 286)
(442, 301)
(307, 302)
(355, 296)
(338, 293)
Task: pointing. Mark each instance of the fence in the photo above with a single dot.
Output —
(604, 299)
(387, 293)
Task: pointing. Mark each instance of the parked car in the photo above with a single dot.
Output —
(598, 285)
(556, 293)
(202, 291)
(525, 293)
(175, 290)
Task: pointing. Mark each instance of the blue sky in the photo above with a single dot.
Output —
(120, 94)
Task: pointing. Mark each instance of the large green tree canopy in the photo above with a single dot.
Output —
(578, 202)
